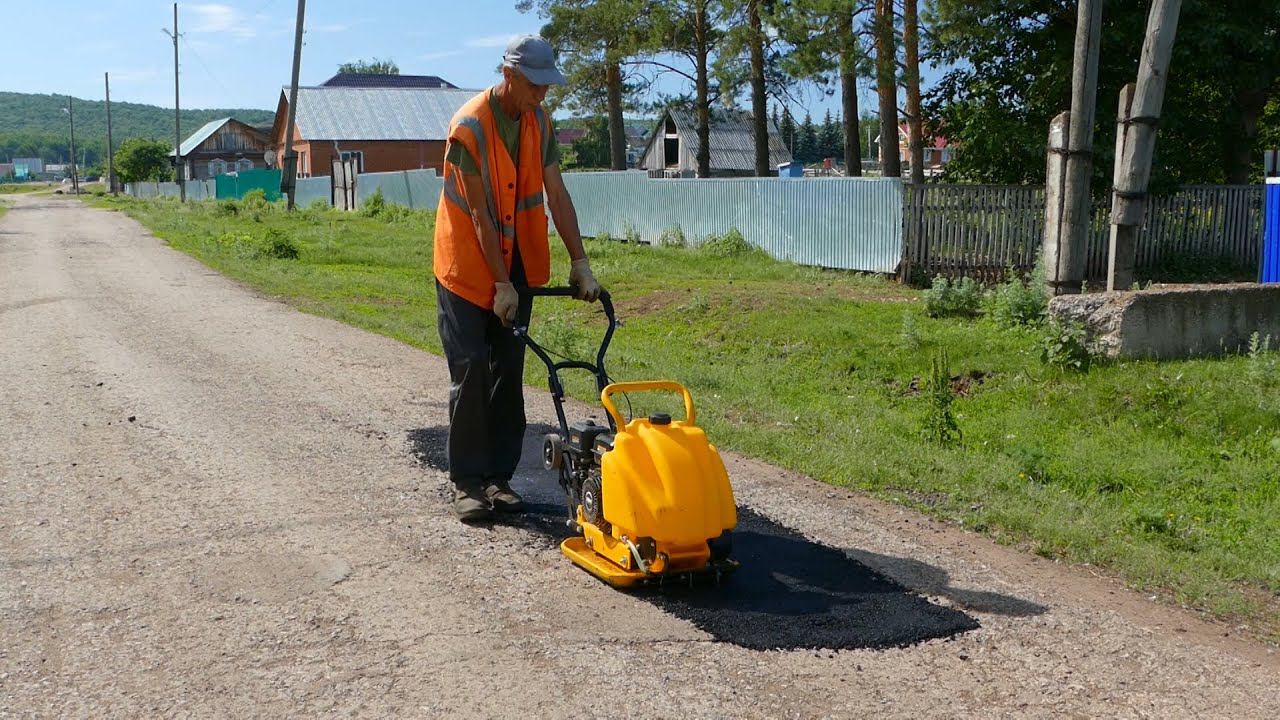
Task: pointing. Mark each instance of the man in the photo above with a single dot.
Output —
(501, 161)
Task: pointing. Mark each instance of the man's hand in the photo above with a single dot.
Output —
(505, 302)
(581, 278)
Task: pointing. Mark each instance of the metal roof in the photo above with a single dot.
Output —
(346, 113)
(194, 140)
(396, 81)
(733, 145)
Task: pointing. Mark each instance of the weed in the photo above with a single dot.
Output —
(1263, 364)
(317, 206)
(946, 299)
(1018, 302)
(226, 208)
(630, 234)
(1066, 345)
(910, 335)
(939, 422)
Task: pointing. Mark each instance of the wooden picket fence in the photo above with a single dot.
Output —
(981, 231)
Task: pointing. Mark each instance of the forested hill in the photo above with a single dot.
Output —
(36, 125)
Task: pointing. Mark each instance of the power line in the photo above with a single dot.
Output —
(200, 59)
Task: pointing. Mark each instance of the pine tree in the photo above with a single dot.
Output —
(787, 130)
(807, 142)
(829, 139)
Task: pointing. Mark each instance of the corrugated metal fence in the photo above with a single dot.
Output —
(848, 223)
(981, 230)
(862, 224)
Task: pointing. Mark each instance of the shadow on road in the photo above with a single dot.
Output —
(789, 593)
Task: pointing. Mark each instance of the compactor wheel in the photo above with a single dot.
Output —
(592, 505)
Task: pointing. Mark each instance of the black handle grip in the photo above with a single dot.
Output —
(554, 291)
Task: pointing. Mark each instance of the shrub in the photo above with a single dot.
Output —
(1017, 302)
(731, 244)
(947, 299)
(1066, 345)
(226, 208)
(278, 245)
(374, 205)
(673, 237)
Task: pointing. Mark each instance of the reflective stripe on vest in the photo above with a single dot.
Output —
(531, 201)
(473, 124)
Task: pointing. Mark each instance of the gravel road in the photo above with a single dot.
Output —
(214, 505)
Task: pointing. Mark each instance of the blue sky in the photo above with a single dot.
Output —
(237, 53)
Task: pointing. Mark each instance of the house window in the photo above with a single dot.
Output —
(217, 167)
(244, 164)
(358, 156)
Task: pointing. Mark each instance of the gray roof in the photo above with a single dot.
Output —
(346, 113)
(733, 145)
(199, 136)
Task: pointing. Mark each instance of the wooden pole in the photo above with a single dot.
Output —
(1123, 238)
(75, 177)
(288, 182)
(111, 164)
(1070, 232)
(1133, 172)
(177, 116)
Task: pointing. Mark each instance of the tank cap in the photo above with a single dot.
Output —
(660, 419)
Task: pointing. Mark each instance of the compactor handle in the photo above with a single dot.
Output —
(645, 386)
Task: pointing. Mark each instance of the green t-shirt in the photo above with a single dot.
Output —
(509, 131)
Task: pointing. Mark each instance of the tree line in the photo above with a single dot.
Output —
(1006, 73)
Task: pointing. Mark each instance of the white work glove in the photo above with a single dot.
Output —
(505, 302)
(581, 278)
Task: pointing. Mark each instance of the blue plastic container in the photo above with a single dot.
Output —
(790, 169)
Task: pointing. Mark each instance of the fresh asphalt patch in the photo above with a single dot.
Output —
(789, 593)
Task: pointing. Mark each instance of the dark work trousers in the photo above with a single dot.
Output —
(486, 398)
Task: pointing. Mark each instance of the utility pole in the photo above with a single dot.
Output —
(1129, 199)
(289, 181)
(1067, 183)
(75, 179)
(111, 164)
(177, 115)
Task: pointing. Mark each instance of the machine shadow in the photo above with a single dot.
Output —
(789, 593)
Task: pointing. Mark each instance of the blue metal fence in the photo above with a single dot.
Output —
(1271, 232)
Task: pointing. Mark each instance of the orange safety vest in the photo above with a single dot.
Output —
(514, 200)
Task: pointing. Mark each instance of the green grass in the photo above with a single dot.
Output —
(14, 188)
(1165, 473)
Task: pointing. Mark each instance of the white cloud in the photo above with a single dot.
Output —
(491, 41)
(135, 76)
(221, 19)
(440, 55)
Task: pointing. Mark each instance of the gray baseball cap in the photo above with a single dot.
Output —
(534, 57)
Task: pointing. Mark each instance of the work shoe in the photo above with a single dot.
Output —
(470, 502)
(502, 497)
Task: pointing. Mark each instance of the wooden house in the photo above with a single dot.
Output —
(222, 146)
(672, 150)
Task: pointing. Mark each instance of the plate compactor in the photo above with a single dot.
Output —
(649, 499)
